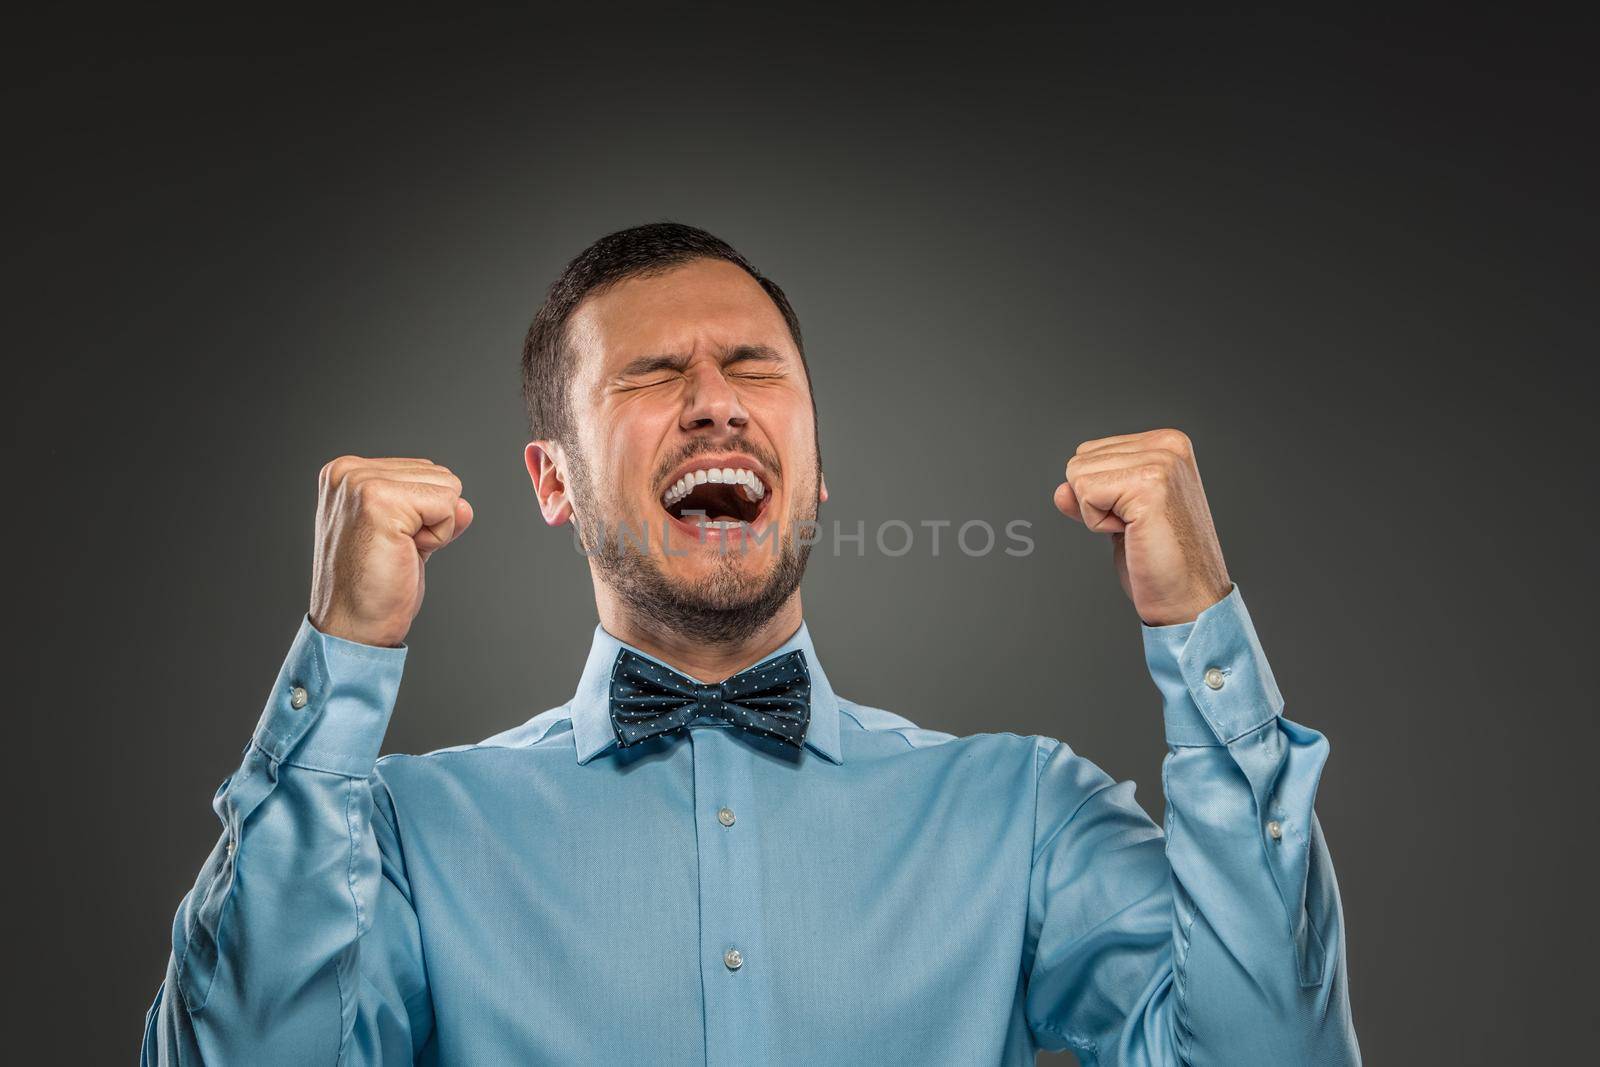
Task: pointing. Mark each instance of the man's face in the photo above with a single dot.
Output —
(676, 376)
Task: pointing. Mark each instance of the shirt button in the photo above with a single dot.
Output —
(725, 816)
(230, 846)
(297, 697)
(732, 959)
(1214, 677)
(1275, 830)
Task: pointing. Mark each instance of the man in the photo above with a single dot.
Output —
(708, 855)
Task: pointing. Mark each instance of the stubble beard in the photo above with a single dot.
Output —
(726, 607)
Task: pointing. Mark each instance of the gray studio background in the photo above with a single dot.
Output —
(1354, 262)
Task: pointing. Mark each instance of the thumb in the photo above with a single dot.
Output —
(431, 538)
(1066, 502)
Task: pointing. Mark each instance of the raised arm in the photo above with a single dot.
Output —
(1221, 940)
(298, 942)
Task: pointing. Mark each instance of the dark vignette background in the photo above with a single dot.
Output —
(1355, 261)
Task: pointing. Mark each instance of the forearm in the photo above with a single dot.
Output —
(265, 947)
(1258, 940)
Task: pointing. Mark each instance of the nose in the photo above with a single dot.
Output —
(710, 403)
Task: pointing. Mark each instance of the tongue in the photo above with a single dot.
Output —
(718, 501)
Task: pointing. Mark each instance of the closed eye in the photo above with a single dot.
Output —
(650, 383)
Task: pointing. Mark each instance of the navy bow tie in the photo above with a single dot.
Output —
(771, 698)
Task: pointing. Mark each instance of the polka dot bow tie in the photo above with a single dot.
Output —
(771, 698)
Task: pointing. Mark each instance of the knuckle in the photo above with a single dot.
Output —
(369, 494)
(1081, 467)
(1174, 440)
(342, 468)
(1156, 472)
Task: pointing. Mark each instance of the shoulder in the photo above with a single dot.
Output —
(878, 728)
(548, 731)
(869, 720)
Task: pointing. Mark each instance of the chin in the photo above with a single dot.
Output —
(707, 595)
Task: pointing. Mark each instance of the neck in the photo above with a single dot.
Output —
(701, 660)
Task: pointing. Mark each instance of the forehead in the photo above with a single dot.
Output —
(703, 304)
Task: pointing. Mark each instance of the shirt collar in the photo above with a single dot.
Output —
(592, 731)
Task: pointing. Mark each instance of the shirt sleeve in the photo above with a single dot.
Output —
(298, 942)
(1218, 938)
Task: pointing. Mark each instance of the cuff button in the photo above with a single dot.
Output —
(297, 697)
(1214, 677)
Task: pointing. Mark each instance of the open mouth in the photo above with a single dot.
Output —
(717, 497)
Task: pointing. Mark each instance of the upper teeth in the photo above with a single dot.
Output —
(747, 480)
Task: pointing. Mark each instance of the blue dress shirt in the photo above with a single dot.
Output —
(886, 894)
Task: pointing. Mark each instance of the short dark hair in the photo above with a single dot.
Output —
(639, 251)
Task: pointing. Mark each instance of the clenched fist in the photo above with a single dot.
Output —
(378, 521)
(1143, 490)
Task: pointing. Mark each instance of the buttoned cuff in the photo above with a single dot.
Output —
(1215, 683)
(330, 705)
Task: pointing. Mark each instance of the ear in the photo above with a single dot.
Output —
(822, 487)
(544, 462)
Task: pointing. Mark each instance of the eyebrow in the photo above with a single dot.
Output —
(678, 360)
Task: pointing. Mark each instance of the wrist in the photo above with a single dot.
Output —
(1189, 609)
(375, 637)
